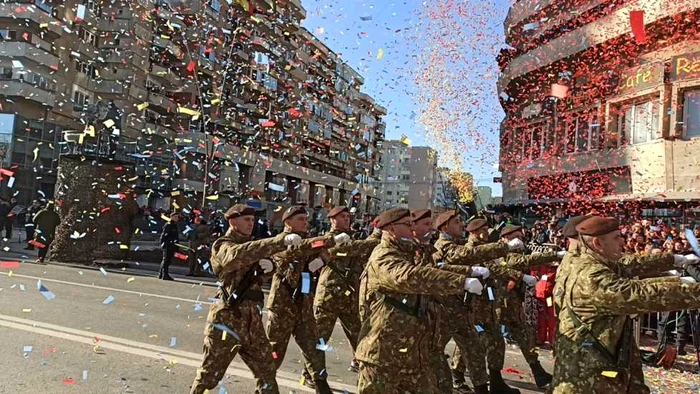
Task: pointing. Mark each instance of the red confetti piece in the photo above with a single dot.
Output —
(50, 350)
(512, 370)
(6, 172)
(294, 113)
(37, 244)
(9, 264)
(318, 244)
(117, 230)
(180, 256)
(105, 210)
(191, 66)
(559, 91)
(268, 124)
(274, 355)
(68, 381)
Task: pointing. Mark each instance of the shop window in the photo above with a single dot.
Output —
(639, 123)
(691, 116)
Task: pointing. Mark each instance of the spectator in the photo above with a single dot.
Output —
(29, 222)
(46, 222)
(168, 240)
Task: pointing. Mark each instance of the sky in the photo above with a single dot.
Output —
(432, 65)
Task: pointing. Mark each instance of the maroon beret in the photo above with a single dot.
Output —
(569, 229)
(391, 216)
(596, 225)
(337, 211)
(510, 229)
(239, 210)
(444, 217)
(293, 211)
(420, 214)
(476, 224)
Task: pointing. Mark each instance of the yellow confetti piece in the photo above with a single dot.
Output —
(174, 362)
(175, 193)
(404, 350)
(9, 274)
(302, 380)
(44, 25)
(187, 111)
(141, 106)
(223, 335)
(609, 374)
(341, 254)
(98, 349)
(90, 130)
(213, 197)
(278, 209)
(153, 336)
(108, 123)
(215, 101)
(162, 216)
(347, 293)
(130, 280)
(549, 302)
(26, 310)
(380, 53)
(124, 247)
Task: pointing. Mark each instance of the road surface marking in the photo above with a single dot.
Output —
(91, 286)
(286, 379)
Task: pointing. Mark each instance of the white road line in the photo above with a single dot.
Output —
(146, 350)
(92, 286)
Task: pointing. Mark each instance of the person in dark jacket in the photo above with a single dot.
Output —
(46, 222)
(29, 222)
(168, 238)
(4, 219)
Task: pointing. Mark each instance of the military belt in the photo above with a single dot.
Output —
(416, 310)
(343, 276)
(240, 293)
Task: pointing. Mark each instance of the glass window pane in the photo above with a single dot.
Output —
(692, 113)
(642, 123)
(582, 133)
(570, 129)
(594, 132)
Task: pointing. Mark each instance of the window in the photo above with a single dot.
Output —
(93, 6)
(215, 5)
(8, 35)
(6, 72)
(536, 147)
(85, 68)
(87, 36)
(639, 123)
(582, 131)
(80, 101)
(7, 123)
(691, 116)
(44, 5)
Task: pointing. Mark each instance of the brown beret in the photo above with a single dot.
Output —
(391, 216)
(337, 211)
(239, 210)
(420, 214)
(509, 229)
(293, 211)
(476, 224)
(596, 225)
(444, 218)
(569, 229)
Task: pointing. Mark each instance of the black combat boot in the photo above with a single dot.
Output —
(481, 389)
(308, 379)
(498, 385)
(457, 379)
(542, 378)
(322, 387)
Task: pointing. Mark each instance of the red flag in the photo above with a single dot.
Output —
(637, 25)
(190, 67)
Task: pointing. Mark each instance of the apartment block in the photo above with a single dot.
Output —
(409, 176)
(602, 102)
(211, 102)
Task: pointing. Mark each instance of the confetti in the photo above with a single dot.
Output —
(103, 271)
(108, 300)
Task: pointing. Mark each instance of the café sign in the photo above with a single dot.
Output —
(685, 66)
(642, 77)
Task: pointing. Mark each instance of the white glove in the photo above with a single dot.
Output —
(673, 272)
(561, 254)
(473, 285)
(266, 265)
(692, 259)
(342, 238)
(292, 240)
(315, 264)
(529, 280)
(516, 244)
(481, 271)
(688, 279)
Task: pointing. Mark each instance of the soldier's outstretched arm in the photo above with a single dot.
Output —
(395, 274)
(316, 244)
(651, 265)
(623, 296)
(522, 262)
(228, 256)
(355, 249)
(465, 270)
(473, 255)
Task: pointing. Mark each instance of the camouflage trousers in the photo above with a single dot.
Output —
(469, 355)
(296, 318)
(337, 305)
(512, 316)
(485, 342)
(391, 379)
(220, 348)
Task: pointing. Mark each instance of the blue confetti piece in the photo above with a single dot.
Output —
(21, 287)
(173, 342)
(197, 307)
(108, 300)
(177, 306)
(28, 349)
(479, 328)
(227, 330)
(222, 390)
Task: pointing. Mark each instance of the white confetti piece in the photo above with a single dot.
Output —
(173, 342)
(103, 271)
(28, 349)
(85, 374)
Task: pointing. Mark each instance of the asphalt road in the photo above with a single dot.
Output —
(127, 332)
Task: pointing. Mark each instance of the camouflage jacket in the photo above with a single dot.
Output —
(291, 263)
(516, 263)
(596, 303)
(391, 335)
(342, 271)
(235, 254)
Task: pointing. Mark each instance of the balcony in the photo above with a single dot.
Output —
(28, 51)
(16, 88)
(152, 128)
(297, 9)
(260, 44)
(590, 35)
(17, 11)
(114, 25)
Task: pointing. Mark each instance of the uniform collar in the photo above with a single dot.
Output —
(238, 236)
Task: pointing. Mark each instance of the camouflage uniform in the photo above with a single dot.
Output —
(395, 339)
(198, 248)
(596, 349)
(233, 256)
(290, 311)
(336, 293)
(451, 255)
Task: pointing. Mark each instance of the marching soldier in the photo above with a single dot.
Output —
(291, 299)
(395, 338)
(234, 325)
(168, 240)
(596, 351)
(451, 251)
(512, 314)
(336, 294)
